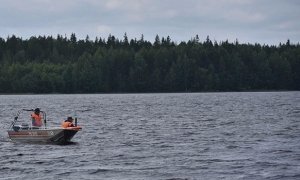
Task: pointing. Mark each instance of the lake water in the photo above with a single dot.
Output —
(160, 136)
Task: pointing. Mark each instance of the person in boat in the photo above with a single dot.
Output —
(36, 118)
(68, 123)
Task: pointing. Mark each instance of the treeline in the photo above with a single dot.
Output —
(68, 65)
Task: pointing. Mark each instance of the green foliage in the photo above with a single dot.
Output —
(68, 65)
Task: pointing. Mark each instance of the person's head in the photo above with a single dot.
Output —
(70, 119)
(37, 111)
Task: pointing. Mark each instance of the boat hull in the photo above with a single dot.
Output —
(56, 135)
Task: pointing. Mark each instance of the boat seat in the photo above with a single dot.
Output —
(24, 126)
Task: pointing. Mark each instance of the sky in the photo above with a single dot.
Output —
(248, 21)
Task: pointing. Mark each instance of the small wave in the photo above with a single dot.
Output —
(207, 120)
(281, 151)
(100, 170)
(39, 162)
(228, 133)
(65, 173)
(231, 147)
(227, 123)
(296, 176)
(4, 168)
(265, 164)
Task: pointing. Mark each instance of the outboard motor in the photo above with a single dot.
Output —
(16, 128)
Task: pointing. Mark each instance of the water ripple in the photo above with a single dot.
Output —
(160, 136)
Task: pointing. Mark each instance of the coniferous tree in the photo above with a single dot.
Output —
(46, 64)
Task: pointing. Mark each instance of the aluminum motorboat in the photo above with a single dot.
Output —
(27, 133)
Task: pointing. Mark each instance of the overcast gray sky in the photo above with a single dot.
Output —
(261, 21)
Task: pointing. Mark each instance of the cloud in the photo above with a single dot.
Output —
(104, 29)
(129, 5)
(251, 20)
(241, 16)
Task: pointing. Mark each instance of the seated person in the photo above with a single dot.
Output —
(68, 123)
(36, 118)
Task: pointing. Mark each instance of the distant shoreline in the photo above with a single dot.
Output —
(258, 91)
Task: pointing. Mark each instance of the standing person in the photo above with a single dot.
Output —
(68, 123)
(36, 118)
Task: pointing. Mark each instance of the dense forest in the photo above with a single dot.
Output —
(47, 64)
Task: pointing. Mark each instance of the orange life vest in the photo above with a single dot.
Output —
(36, 119)
(66, 124)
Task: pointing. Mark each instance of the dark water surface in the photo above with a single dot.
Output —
(160, 136)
